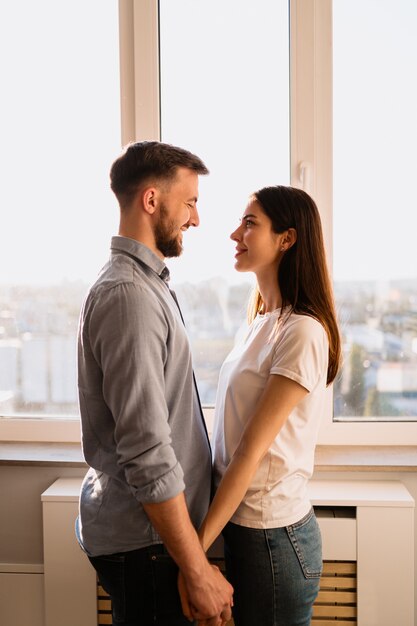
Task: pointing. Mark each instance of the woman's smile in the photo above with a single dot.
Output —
(240, 251)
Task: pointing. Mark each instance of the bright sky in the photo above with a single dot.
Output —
(225, 96)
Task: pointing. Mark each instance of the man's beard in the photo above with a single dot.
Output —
(168, 244)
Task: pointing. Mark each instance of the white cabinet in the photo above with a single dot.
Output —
(378, 533)
(70, 581)
(379, 537)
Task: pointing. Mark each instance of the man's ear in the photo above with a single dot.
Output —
(150, 200)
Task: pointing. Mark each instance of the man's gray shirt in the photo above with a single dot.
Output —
(143, 433)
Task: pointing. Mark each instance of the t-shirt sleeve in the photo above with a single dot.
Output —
(301, 351)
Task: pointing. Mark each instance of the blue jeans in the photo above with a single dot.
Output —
(142, 585)
(275, 573)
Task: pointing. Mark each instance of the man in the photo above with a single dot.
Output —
(144, 437)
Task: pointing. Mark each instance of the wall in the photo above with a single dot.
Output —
(21, 511)
(21, 540)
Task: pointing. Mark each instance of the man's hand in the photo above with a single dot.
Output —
(208, 599)
(208, 592)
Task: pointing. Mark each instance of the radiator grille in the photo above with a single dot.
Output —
(336, 603)
(103, 606)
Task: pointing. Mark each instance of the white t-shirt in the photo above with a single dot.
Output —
(296, 347)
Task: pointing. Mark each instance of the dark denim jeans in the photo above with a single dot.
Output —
(275, 573)
(142, 585)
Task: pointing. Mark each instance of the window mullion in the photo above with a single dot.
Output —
(139, 70)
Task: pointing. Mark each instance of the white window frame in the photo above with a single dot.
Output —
(311, 169)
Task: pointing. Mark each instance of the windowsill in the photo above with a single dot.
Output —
(366, 458)
(328, 458)
(43, 454)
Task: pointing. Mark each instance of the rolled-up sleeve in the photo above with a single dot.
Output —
(128, 334)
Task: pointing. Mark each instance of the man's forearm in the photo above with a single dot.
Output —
(209, 593)
(172, 522)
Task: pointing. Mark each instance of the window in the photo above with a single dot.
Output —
(250, 89)
(60, 129)
(375, 134)
(224, 96)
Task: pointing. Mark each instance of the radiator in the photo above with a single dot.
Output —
(368, 550)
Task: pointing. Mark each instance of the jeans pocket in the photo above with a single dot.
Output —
(305, 537)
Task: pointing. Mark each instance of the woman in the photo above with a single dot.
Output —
(269, 403)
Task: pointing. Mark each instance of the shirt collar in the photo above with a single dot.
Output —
(140, 252)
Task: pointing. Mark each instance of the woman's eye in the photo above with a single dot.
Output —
(249, 222)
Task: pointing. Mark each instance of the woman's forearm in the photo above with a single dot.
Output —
(279, 397)
(229, 495)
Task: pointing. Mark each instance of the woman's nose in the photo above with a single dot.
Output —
(235, 234)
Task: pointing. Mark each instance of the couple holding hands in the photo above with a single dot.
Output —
(157, 493)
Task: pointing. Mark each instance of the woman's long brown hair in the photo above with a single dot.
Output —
(303, 276)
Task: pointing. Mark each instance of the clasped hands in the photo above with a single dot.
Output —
(207, 601)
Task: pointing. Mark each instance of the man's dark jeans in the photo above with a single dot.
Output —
(142, 585)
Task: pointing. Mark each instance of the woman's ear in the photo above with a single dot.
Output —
(289, 237)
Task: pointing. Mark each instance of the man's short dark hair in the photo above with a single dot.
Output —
(149, 161)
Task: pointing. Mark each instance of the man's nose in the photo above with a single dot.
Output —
(194, 217)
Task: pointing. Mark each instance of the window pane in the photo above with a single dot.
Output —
(375, 268)
(224, 96)
(59, 132)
